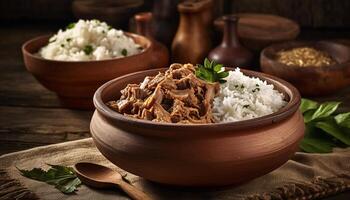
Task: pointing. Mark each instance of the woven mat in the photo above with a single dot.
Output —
(306, 176)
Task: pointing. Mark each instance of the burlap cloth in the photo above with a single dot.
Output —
(306, 176)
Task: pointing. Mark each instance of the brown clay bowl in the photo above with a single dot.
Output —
(76, 82)
(311, 81)
(257, 31)
(196, 155)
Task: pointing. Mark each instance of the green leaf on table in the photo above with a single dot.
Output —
(324, 110)
(331, 127)
(316, 145)
(308, 115)
(62, 177)
(307, 104)
(343, 119)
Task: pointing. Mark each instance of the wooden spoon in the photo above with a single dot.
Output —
(100, 176)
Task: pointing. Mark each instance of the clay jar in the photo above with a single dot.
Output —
(230, 52)
(160, 54)
(192, 40)
(165, 20)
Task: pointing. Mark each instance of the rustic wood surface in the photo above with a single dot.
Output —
(309, 13)
(32, 116)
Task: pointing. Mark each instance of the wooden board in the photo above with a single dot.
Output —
(25, 127)
(309, 13)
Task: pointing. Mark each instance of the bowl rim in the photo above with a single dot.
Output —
(26, 52)
(264, 54)
(282, 114)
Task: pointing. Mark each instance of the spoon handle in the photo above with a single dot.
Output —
(132, 191)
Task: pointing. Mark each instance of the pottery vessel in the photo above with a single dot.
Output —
(257, 31)
(76, 81)
(311, 81)
(192, 40)
(160, 53)
(196, 155)
(165, 20)
(230, 52)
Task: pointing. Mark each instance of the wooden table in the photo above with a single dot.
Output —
(30, 115)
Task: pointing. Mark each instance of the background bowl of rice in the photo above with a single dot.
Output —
(76, 81)
(197, 155)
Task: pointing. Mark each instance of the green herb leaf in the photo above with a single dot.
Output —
(211, 72)
(88, 49)
(63, 178)
(331, 127)
(207, 63)
(315, 145)
(124, 52)
(324, 110)
(70, 26)
(324, 130)
(223, 75)
(307, 104)
(218, 68)
(343, 119)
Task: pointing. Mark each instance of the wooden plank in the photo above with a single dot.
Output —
(19, 88)
(308, 13)
(43, 120)
(22, 128)
(35, 9)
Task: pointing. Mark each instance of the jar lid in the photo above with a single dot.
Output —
(263, 27)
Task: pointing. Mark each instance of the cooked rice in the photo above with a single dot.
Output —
(243, 97)
(89, 40)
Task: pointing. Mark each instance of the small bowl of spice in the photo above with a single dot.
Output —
(315, 68)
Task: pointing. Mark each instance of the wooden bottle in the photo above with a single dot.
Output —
(160, 54)
(230, 52)
(192, 40)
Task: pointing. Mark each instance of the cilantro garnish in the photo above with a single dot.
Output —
(211, 72)
(70, 26)
(88, 49)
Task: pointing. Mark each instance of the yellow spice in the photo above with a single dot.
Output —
(304, 57)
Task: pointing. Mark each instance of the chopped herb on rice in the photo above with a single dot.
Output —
(243, 97)
(89, 40)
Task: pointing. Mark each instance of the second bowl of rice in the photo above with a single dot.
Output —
(66, 64)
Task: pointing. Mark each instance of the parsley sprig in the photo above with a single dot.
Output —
(62, 177)
(211, 72)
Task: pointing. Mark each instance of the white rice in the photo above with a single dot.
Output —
(243, 97)
(89, 40)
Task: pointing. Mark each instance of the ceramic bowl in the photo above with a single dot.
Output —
(196, 155)
(76, 82)
(257, 31)
(311, 81)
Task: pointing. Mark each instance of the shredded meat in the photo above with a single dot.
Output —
(176, 96)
